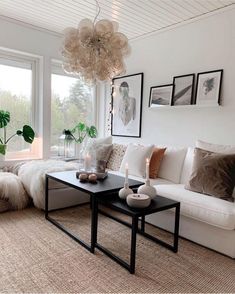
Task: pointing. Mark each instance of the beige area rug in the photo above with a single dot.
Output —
(35, 256)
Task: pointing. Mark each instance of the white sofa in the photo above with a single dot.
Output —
(206, 220)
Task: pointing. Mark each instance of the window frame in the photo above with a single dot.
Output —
(57, 69)
(12, 57)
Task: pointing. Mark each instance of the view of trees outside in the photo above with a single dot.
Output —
(15, 96)
(71, 103)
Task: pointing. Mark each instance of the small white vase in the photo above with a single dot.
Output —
(147, 189)
(125, 191)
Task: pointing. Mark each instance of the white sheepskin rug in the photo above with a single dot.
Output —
(12, 190)
(32, 175)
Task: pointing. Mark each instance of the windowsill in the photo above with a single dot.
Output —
(12, 161)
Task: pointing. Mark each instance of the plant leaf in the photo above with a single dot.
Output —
(92, 132)
(4, 118)
(28, 134)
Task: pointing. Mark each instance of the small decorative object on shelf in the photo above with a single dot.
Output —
(138, 200)
(147, 188)
(125, 191)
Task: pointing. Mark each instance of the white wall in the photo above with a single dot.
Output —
(207, 44)
(46, 45)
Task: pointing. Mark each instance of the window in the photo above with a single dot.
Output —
(72, 101)
(17, 95)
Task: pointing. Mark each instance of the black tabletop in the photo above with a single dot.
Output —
(111, 183)
(159, 203)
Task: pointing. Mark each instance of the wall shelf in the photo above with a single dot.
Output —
(184, 107)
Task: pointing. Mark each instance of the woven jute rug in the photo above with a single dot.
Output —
(36, 257)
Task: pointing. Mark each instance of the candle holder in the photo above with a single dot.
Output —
(125, 191)
(147, 189)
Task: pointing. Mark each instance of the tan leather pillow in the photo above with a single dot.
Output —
(213, 174)
(155, 162)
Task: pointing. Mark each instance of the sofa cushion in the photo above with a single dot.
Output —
(155, 162)
(32, 175)
(213, 174)
(158, 181)
(213, 211)
(187, 166)
(226, 149)
(135, 156)
(116, 156)
(172, 163)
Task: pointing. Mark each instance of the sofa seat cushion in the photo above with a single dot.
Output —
(32, 175)
(213, 211)
(158, 181)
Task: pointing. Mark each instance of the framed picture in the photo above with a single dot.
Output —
(209, 87)
(183, 90)
(127, 95)
(160, 95)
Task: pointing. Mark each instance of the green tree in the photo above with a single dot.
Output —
(20, 109)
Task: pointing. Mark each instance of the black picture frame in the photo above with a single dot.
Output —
(208, 88)
(126, 104)
(183, 90)
(160, 96)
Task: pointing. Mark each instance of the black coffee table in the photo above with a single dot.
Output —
(112, 184)
(157, 204)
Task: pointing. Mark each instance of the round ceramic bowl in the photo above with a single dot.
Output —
(138, 200)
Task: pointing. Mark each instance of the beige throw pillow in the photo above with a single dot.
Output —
(213, 174)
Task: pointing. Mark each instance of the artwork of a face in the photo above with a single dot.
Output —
(124, 89)
(208, 85)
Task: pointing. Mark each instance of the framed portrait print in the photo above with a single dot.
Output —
(209, 87)
(127, 92)
(160, 95)
(183, 90)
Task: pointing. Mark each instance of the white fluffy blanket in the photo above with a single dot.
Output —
(12, 190)
(32, 175)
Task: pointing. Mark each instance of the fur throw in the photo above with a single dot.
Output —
(32, 175)
(12, 190)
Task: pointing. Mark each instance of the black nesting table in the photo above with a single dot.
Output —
(106, 193)
(157, 204)
(106, 188)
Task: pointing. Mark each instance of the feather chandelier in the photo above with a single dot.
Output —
(95, 50)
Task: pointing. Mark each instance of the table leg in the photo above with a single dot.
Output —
(134, 231)
(46, 197)
(176, 231)
(142, 228)
(94, 222)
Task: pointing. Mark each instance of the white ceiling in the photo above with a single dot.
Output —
(136, 17)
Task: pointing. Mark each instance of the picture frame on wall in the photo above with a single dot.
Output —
(126, 97)
(208, 88)
(183, 87)
(160, 95)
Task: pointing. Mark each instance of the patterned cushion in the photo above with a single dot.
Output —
(116, 156)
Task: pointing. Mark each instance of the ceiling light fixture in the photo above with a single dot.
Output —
(95, 50)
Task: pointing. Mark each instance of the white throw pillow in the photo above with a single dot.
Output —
(172, 164)
(226, 149)
(135, 156)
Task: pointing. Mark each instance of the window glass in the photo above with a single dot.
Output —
(72, 101)
(16, 97)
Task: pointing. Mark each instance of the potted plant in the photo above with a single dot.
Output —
(78, 135)
(27, 132)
